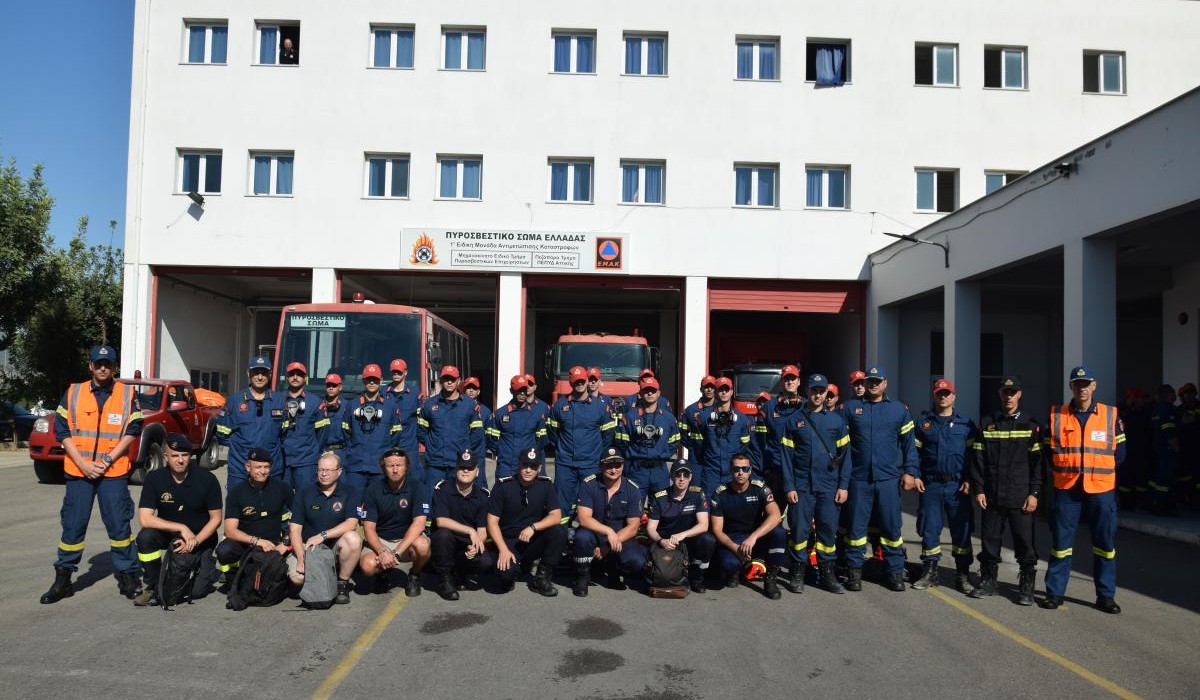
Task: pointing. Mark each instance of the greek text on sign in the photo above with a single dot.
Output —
(331, 321)
(515, 251)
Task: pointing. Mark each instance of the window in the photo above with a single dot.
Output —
(995, 179)
(570, 180)
(642, 182)
(758, 59)
(937, 190)
(391, 47)
(278, 43)
(460, 177)
(387, 175)
(827, 187)
(827, 62)
(464, 49)
(937, 64)
(213, 380)
(1104, 72)
(755, 184)
(199, 171)
(574, 52)
(645, 54)
(272, 173)
(207, 42)
(1004, 67)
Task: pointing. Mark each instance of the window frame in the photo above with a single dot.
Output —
(1002, 49)
(393, 45)
(201, 173)
(644, 60)
(641, 164)
(277, 25)
(464, 55)
(811, 44)
(756, 169)
(573, 60)
(208, 24)
(1008, 175)
(936, 173)
(389, 159)
(461, 159)
(273, 178)
(1097, 57)
(756, 42)
(572, 163)
(825, 169)
(933, 47)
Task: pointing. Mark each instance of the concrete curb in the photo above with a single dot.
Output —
(1157, 530)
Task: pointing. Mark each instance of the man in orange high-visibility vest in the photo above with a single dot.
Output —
(1087, 444)
(96, 423)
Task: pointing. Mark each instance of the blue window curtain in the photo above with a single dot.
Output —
(629, 183)
(283, 175)
(944, 65)
(656, 56)
(191, 173)
(925, 190)
(1110, 65)
(742, 190)
(837, 189)
(583, 183)
(475, 50)
(633, 56)
(745, 60)
(268, 38)
(449, 184)
(654, 184)
(219, 44)
(562, 54)
(1014, 71)
(585, 54)
(399, 177)
(262, 174)
(558, 182)
(404, 48)
(766, 187)
(376, 177)
(453, 50)
(830, 60)
(812, 197)
(383, 48)
(212, 173)
(766, 62)
(196, 44)
(471, 179)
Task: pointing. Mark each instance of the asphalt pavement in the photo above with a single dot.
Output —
(622, 645)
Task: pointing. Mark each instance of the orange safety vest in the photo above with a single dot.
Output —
(1089, 451)
(96, 431)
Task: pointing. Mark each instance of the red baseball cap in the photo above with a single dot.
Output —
(449, 371)
(593, 372)
(648, 382)
(333, 378)
(519, 382)
(646, 373)
(944, 385)
(372, 370)
(708, 380)
(471, 381)
(833, 389)
(531, 379)
(293, 366)
(576, 374)
(790, 371)
(399, 365)
(762, 396)
(723, 381)
(858, 376)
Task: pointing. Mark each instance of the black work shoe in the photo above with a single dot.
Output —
(962, 583)
(412, 587)
(1025, 588)
(1050, 602)
(446, 588)
(929, 575)
(343, 593)
(734, 580)
(382, 583)
(582, 580)
(541, 583)
(895, 582)
(1108, 605)
(61, 588)
(771, 583)
(795, 579)
(146, 597)
(697, 583)
(128, 585)
(829, 580)
(854, 580)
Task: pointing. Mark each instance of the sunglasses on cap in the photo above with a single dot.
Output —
(741, 470)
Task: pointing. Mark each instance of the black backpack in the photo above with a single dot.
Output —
(668, 567)
(177, 576)
(261, 580)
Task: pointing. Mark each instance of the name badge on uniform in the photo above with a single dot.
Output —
(1099, 435)
(114, 419)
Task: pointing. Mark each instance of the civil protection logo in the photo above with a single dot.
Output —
(609, 253)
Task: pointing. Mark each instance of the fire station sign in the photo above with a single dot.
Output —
(513, 251)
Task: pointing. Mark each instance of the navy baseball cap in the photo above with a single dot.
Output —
(815, 380)
(1081, 374)
(466, 460)
(612, 454)
(876, 372)
(1010, 383)
(103, 352)
(680, 466)
(530, 456)
(178, 443)
(258, 454)
(259, 362)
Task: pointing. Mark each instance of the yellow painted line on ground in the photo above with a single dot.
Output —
(1037, 648)
(360, 648)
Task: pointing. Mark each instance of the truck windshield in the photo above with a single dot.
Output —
(748, 385)
(345, 342)
(617, 361)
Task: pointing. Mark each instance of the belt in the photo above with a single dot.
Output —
(940, 479)
(648, 463)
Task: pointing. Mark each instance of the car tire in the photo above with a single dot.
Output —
(48, 471)
(154, 459)
(210, 455)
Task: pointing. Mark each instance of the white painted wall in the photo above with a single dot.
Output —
(198, 331)
(1181, 343)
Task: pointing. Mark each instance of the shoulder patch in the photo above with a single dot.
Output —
(589, 477)
(543, 477)
(720, 488)
(486, 492)
(504, 478)
(757, 482)
(693, 489)
(438, 485)
(632, 482)
(660, 494)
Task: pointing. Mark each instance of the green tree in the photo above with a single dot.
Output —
(25, 247)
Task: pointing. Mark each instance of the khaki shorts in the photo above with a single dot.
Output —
(291, 558)
(392, 544)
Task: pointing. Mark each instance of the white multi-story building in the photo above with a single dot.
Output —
(747, 158)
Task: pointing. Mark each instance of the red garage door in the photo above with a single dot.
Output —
(785, 295)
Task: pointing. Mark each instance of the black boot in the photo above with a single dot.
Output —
(696, 578)
(541, 584)
(771, 583)
(829, 580)
(61, 588)
(854, 580)
(127, 583)
(583, 579)
(446, 588)
(795, 581)
(612, 574)
(929, 575)
(412, 587)
(1025, 587)
(987, 581)
(962, 579)
(895, 582)
(343, 592)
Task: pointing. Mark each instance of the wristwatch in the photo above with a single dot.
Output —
(325, 534)
(107, 459)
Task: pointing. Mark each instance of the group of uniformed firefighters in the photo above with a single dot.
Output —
(307, 470)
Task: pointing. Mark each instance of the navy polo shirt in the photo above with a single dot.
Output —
(674, 515)
(469, 510)
(625, 503)
(393, 511)
(186, 503)
(315, 512)
(260, 511)
(743, 512)
(519, 507)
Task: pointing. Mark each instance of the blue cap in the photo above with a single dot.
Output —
(817, 380)
(178, 442)
(1081, 374)
(260, 362)
(876, 372)
(258, 454)
(530, 456)
(103, 352)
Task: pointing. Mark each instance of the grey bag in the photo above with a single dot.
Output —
(320, 578)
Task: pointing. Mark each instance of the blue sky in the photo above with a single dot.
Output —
(65, 87)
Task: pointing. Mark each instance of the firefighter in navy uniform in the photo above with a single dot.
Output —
(648, 435)
(1189, 445)
(332, 410)
(459, 541)
(723, 432)
(370, 425)
(301, 438)
(256, 513)
(581, 429)
(1139, 456)
(449, 424)
(610, 514)
(679, 519)
(96, 423)
(524, 522)
(777, 415)
(535, 404)
(1164, 425)
(746, 526)
(252, 418)
(944, 438)
(687, 419)
(405, 403)
(513, 427)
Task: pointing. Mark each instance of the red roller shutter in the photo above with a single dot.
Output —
(783, 295)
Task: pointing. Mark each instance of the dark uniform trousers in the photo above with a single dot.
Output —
(450, 552)
(632, 557)
(229, 554)
(151, 545)
(994, 520)
(699, 549)
(546, 545)
(771, 546)
(800, 515)
(116, 510)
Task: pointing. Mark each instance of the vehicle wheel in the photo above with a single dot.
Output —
(48, 472)
(154, 459)
(212, 451)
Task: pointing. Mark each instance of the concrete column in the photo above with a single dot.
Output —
(695, 334)
(137, 321)
(510, 317)
(324, 285)
(962, 327)
(1090, 313)
(883, 342)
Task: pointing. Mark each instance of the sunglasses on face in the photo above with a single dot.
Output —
(725, 388)
(741, 470)
(371, 380)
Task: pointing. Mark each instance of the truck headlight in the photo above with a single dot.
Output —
(41, 425)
